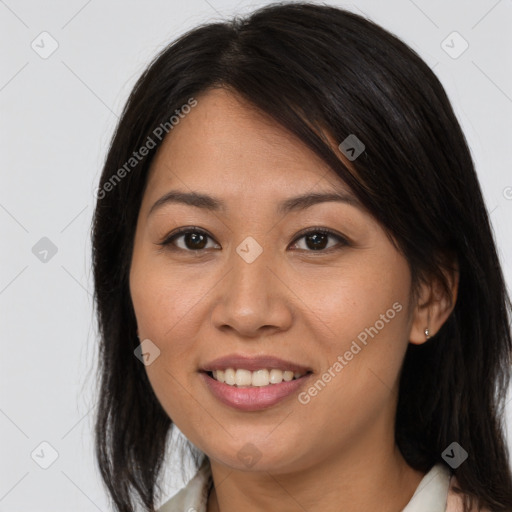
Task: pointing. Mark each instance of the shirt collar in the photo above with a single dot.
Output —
(432, 492)
(430, 495)
(194, 496)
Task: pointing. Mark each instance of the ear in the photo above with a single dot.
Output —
(434, 305)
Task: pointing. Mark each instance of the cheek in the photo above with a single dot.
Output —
(361, 320)
(165, 301)
(168, 307)
(161, 315)
(366, 293)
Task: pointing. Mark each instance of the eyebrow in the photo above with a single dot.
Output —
(210, 203)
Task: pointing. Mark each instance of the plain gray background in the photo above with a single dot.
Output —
(58, 112)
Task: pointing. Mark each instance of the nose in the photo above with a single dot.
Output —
(253, 299)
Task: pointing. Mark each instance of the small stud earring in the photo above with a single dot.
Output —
(427, 333)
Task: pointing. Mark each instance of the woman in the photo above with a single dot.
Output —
(294, 265)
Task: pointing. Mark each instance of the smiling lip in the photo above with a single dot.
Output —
(253, 398)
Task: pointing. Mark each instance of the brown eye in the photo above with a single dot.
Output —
(193, 239)
(318, 240)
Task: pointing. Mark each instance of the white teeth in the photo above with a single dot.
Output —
(276, 376)
(229, 376)
(259, 378)
(287, 376)
(243, 378)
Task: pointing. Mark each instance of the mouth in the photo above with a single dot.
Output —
(253, 383)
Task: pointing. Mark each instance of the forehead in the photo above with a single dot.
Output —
(225, 143)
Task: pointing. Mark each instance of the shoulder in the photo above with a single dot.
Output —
(454, 502)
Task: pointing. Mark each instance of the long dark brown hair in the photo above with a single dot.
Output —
(317, 69)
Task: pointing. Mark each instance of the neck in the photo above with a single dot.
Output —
(369, 475)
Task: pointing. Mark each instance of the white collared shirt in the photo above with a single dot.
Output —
(431, 495)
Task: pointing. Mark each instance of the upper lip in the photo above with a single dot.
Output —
(253, 363)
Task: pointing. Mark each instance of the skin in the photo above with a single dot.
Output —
(336, 452)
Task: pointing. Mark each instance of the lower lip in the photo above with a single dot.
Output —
(253, 398)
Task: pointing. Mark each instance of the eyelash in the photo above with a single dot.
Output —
(167, 242)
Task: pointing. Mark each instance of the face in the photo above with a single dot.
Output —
(261, 282)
